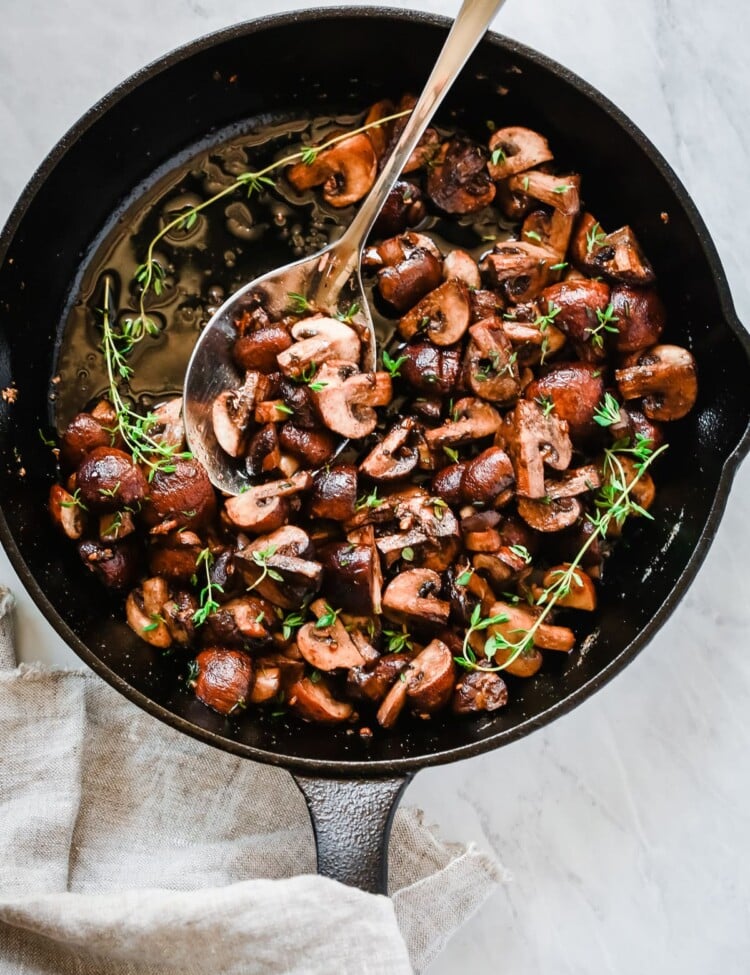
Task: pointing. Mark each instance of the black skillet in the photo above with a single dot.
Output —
(316, 62)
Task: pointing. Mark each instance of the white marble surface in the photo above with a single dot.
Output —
(626, 825)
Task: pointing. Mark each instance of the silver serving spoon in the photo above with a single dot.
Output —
(322, 278)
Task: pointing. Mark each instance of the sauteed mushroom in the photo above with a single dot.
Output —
(346, 171)
(664, 376)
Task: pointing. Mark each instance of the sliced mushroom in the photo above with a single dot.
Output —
(560, 192)
(575, 390)
(329, 647)
(441, 316)
(66, 512)
(665, 377)
(429, 678)
(403, 284)
(642, 488)
(264, 508)
(315, 702)
(552, 229)
(108, 479)
(485, 304)
(537, 440)
(258, 350)
(263, 454)
(167, 427)
(551, 516)
(519, 268)
(299, 399)
(413, 596)
(490, 366)
(516, 149)
(240, 621)
(334, 493)
(582, 594)
(232, 412)
(617, 255)
(471, 419)
(346, 171)
(143, 610)
(403, 208)
(457, 181)
(393, 703)
(479, 691)
(115, 564)
(430, 368)
(462, 267)
(319, 339)
(395, 457)
(394, 250)
(346, 402)
(520, 619)
(640, 317)
(353, 572)
(487, 476)
(267, 683)
(178, 614)
(573, 483)
(372, 681)
(315, 447)
(287, 553)
(224, 680)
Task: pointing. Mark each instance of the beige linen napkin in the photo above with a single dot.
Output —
(127, 848)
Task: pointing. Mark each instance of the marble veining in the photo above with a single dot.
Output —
(625, 825)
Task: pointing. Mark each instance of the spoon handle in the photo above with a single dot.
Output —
(468, 29)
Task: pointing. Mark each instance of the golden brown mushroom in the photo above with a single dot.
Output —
(346, 171)
(516, 149)
(665, 377)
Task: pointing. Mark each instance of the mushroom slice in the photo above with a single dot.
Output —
(315, 702)
(405, 207)
(471, 419)
(521, 269)
(461, 266)
(395, 456)
(232, 412)
(413, 597)
(263, 505)
(552, 230)
(318, 339)
(490, 365)
(429, 678)
(516, 149)
(143, 609)
(315, 447)
(617, 255)
(573, 483)
(665, 377)
(457, 181)
(380, 135)
(224, 680)
(582, 593)
(167, 427)
(66, 512)
(346, 171)
(560, 192)
(328, 647)
(550, 517)
(537, 439)
(441, 316)
(257, 350)
(240, 621)
(394, 250)
(372, 681)
(346, 400)
(393, 704)
(411, 279)
(479, 691)
(178, 615)
(267, 683)
(352, 570)
(519, 620)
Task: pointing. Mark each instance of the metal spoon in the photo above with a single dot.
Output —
(323, 277)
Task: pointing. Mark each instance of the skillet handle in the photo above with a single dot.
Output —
(352, 823)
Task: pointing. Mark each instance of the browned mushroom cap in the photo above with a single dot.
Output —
(372, 681)
(642, 489)
(520, 268)
(479, 691)
(352, 571)
(394, 250)
(346, 400)
(665, 377)
(515, 206)
(573, 483)
(441, 316)
(422, 520)
(516, 149)
(335, 493)
(403, 284)
(427, 146)
(519, 619)
(430, 678)
(560, 192)
(458, 181)
(258, 350)
(316, 447)
(581, 302)
(403, 208)
(66, 512)
(175, 555)
(552, 516)
(263, 452)
(108, 479)
(636, 424)
(267, 683)
(240, 621)
(471, 419)
(485, 304)
(430, 368)
(182, 497)
(317, 340)
(287, 553)
(299, 399)
(83, 433)
(536, 439)
(264, 505)
(315, 702)
(178, 614)
(582, 593)
(640, 317)
(487, 476)
(115, 564)
(490, 366)
(143, 610)
(380, 135)
(224, 679)
(462, 266)
(395, 456)
(346, 171)
(329, 647)
(413, 596)
(617, 255)
(575, 389)
(448, 483)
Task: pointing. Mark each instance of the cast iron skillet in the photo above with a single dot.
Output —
(313, 62)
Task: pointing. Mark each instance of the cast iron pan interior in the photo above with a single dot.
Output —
(308, 63)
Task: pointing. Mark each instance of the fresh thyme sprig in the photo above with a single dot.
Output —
(605, 323)
(261, 560)
(117, 343)
(614, 503)
(208, 604)
(607, 412)
(393, 365)
(150, 275)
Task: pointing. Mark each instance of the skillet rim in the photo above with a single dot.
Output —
(405, 766)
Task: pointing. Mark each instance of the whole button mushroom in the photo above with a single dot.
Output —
(640, 317)
(487, 476)
(664, 377)
(115, 564)
(334, 493)
(479, 691)
(224, 679)
(183, 496)
(108, 479)
(258, 351)
(575, 390)
(430, 368)
(83, 433)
